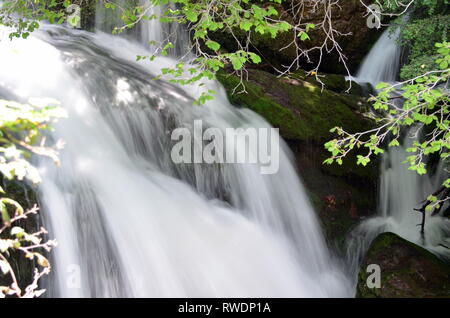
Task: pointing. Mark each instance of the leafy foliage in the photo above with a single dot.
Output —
(425, 25)
(424, 7)
(242, 19)
(203, 18)
(21, 127)
(425, 106)
(23, 16)
(419, 36)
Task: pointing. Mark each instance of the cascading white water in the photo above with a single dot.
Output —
(401, 190)
(132, 222)
(153, 30)
(149, 31)
(382, 64)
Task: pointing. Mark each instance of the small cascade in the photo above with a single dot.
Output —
(130, 222)
(150, 32)
(400, 190)
(382, 64)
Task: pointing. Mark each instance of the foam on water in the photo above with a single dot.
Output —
(130, 220)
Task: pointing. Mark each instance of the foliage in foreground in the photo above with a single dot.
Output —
(417, 107)
(428, 24)
(424, 89)
(21, 127)
(242, 19)
(423, 23)
(420, 104)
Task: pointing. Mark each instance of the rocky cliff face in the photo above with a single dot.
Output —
(351, 32)
(407, 270)
(304, 113)
(348, 20)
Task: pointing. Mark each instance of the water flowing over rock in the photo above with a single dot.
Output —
(400, 190)
(150, 32)
(128, 221)
(304, 111)
(132, 223)
(382, 64)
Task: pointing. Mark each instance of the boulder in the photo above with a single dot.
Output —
(407, 270)
(301, 109)
(349, 19)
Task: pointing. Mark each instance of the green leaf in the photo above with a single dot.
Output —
(191, 16)
(256, 59)
(236, 62)
(310, 26)
(74, 20)
(361, 160)
(394, 143)
(213, 45)
(303, 36)
(5, 215)
(245, 25)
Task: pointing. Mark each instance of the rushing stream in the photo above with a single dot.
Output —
(128, 221)
(131, 223)
(400, 190)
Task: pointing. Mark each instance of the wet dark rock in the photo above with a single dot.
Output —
(304, 111)
(349, 17)
(407, 270)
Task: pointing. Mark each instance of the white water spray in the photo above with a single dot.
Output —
(149, 31)
(401, 190)
(130, 220)
(382, 64)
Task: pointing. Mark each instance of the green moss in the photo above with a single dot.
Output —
(305, 113)
(256, 100)
(302, 110)
(333, 82)
(407, 270)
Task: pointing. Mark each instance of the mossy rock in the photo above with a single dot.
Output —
(304, 113)
(349, 19)
(341, 196)
(333, 82)
(407, 270)
(301, 110)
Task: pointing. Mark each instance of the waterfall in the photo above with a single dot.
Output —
(400, 190)
(150, 32)
(130, 222)
(382, 64)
